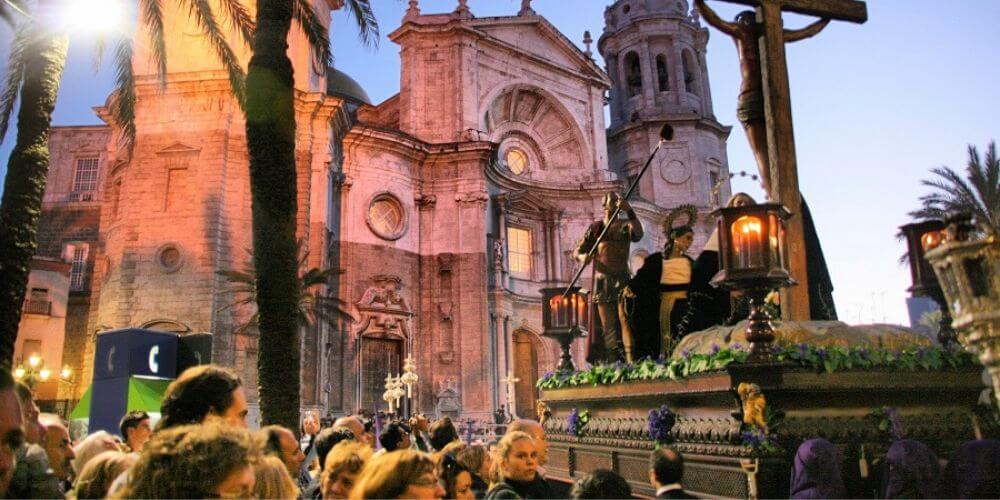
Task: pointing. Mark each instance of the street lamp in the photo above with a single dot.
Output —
(922, 237)
(753, 258)
(34, 372)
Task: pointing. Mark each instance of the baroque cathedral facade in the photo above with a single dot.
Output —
(448, 205)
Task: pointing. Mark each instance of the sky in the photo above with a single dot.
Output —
(875, 107)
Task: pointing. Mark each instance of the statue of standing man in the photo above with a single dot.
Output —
(611, 274)
(746, 32)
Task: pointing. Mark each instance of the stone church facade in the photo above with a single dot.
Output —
(448, 205)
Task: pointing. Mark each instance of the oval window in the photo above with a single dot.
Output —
(517, 160)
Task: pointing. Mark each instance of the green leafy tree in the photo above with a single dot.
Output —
(978, 192)
(35, 66)
(270, 122)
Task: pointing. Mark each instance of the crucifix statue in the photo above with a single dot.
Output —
(511, 381)
(766, 114)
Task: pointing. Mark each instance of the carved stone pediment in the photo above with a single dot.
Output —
(384, 311)
(178, 148)
(526, 203)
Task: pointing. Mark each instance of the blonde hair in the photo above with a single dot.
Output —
(96, 477)
(388, 475)
(272, 479)
(93, 445)
(346, 456)
(503, 449)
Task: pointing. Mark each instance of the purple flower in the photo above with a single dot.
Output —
(863, 352)
(548, 374)
(686, 354)
(618, 365)
(803, 350)
(736, 347)
(574, 422)
(660, 423)
(822, 352)
(920, 352)
(715, 348)
(662, 358)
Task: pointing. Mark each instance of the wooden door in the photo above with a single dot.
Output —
(526, 369)
(379, 357)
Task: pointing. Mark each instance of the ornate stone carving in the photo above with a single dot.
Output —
(480, 197)
(425, 201)
(384, 312)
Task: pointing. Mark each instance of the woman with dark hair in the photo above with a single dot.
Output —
(476, 458)
(456, 478)
(194, 461)
(660, 290)
(203, 392)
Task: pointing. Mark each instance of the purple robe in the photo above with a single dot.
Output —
(816, 471)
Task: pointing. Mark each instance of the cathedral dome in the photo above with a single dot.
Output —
(340, 84)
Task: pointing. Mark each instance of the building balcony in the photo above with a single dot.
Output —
(42, 307)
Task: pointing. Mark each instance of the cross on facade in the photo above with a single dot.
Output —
(784, 182)
(510, 381)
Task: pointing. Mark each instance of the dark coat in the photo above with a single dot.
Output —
(509, 489)
(645, 319)
(674, 494)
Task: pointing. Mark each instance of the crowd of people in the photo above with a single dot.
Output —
(201, 448)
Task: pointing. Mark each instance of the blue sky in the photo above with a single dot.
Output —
(875, 106)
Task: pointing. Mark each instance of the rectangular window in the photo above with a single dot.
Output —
(519, 251)
(177, 187)
(38, 302)
(79, 266)
(713, 181)
(30, 348)
(85, 179)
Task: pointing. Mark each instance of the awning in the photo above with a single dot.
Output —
(144, 394)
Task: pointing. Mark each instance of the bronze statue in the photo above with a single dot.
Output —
(610, 274)
(746, 32)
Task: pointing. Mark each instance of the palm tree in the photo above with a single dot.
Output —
(35, 67)
(977, 193)
(270, 121)
(313, 307)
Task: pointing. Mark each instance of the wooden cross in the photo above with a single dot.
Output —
(510, 380)
(778, 117)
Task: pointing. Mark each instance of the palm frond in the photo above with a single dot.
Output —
(317, 34)
(240, 19)
(978, 192)
(8, 8)
(123, 103)
(202, 12)
(100, 45)
(12, 78)
(364, 17)
(152, 18)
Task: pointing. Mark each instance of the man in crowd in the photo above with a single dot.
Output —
(356, 427)
(666, 468)
(11, 431)
(135, 429)
(280, 442)
(443, 431)
(32, 478)
(59, 449)
(419, 426)
(204, 393)
(396, 436)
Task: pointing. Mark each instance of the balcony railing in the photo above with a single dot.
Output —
(80, 196)
(43, 307)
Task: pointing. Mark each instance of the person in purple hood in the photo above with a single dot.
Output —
(816, 471)
(973, 471)
(912, 471)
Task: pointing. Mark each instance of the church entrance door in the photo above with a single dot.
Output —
(526, 370)
(379, 357)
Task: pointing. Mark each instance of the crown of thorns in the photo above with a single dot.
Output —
(678, 214)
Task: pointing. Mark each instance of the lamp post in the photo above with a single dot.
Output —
(968, 268)
(35, 371)
(753, 259)
(564, 311)
(922, 237)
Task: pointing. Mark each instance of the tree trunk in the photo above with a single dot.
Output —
(27, 171)
(271, 144)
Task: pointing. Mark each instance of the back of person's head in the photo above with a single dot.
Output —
(272, 479)
(816, 471)
(391, 436)
(474, 457)
(442, 432)
(189, 461)
(667, 465)
(131, 420)
(269, 439)
(601, 483)
(327, 439)
(91, 446)
(197, 392)
(389, 475)
(972, 471)
(24, 393)
(448, 472)
(453, 448)
(913, 470)
(96, 478)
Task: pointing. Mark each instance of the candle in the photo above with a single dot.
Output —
(747, 242)
(930, 240)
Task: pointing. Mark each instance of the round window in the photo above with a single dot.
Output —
(386, 217)
(169, 257)
(517, 160)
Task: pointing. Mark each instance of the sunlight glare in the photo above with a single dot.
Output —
(93, 16)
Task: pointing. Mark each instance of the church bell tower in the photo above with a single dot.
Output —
(655, 55)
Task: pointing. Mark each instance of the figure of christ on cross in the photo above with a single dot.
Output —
(766, 114)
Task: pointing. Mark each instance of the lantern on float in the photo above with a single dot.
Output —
(564, 314)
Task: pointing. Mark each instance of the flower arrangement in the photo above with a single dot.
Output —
(660, 423)
(577, 421)
(819, 358)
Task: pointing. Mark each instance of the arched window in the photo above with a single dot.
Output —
(633, 74)
(662, 77)
(690, 73)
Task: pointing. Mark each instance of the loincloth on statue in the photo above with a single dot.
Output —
(750, 107)
(608, 288)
